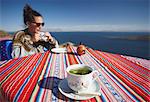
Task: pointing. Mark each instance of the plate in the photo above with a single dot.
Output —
(59, 50)
(65, 90)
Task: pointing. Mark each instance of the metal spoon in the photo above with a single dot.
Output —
(88, 93)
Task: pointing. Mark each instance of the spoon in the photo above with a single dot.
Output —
(88, 93)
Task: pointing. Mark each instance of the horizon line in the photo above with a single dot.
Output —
(60, 30)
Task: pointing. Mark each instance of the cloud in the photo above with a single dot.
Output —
(100, 28)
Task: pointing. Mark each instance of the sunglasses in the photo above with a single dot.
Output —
(38, 24)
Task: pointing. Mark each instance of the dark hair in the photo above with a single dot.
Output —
(29, 13)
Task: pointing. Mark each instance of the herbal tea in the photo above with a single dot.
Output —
(81, 71)
(80, 77)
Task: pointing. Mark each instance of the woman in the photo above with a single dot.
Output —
(31, 40)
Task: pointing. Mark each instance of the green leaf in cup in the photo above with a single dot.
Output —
(80, 71)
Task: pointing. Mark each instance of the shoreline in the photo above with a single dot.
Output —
(5, 35)
(6, 38)
(132, 37)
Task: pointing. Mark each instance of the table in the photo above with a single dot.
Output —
(36, 77)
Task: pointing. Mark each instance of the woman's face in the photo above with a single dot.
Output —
(35, 27)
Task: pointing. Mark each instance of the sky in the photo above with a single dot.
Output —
(79, 15)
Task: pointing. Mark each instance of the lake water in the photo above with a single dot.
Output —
(106, 41)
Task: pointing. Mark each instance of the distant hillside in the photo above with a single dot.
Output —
(141, 37)
(145, 37)
(4, 34)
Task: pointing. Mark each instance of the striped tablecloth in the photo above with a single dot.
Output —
(36, 78)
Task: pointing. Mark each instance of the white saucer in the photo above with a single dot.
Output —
(65, 90)
(59, 50)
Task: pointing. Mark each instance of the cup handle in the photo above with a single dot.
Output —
(95, 74)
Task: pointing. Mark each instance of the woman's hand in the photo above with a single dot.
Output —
(37, 36)
(48, 35)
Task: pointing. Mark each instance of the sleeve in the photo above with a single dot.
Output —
(20, 48)
(19, 51)
(16, 52)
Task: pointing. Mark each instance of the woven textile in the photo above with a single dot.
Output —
(5, 50)
(36, 78)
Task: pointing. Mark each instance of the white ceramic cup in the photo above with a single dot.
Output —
(43, 37)
(80, 83)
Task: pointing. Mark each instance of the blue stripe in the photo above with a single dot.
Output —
(121, 86)
(66, 60)
(3, 62)
(125, 76)
(43, 84)
(14, 70)
(117, 82)
(103, 99)
(137, 84)
(9, 67)
(27, 79)
(75, 52)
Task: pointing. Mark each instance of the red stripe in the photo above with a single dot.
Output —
(135, 88)
(20, 81)
(124, 69)
(29, 87)
(71, 57)
(139, 68)
(105, 94)
(138, 65)
(7, 64)
(13, 75)
(117, 87)
(11, 69)
(108, 77)
(51, 85)
(144, 82)
(42, 98)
